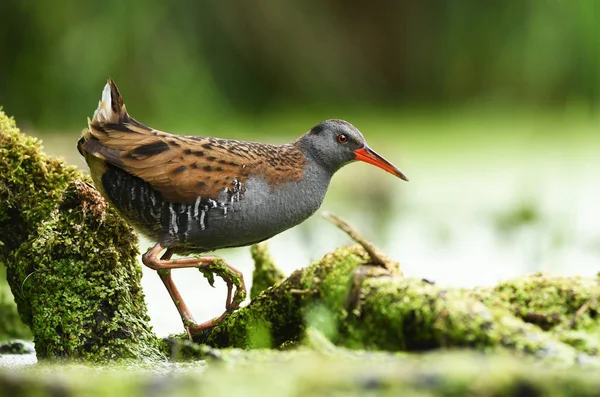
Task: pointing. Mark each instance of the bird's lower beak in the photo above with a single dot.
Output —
(368, 155)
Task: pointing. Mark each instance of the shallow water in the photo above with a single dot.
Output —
(478, 208)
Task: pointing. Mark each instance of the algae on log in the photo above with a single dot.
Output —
(71, 263)
(366, 307)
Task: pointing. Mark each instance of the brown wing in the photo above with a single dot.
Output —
(182, 168)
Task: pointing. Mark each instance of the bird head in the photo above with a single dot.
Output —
(335, 143)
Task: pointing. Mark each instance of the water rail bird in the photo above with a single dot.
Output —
(193, 195)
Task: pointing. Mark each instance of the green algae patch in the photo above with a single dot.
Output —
(71, 262)
(266, 274)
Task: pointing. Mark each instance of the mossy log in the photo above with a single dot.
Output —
(71, 263)
(362, 306)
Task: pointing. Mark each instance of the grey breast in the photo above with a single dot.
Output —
(259, 212)
(240, 216)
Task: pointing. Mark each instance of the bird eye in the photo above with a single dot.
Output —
(342, 138)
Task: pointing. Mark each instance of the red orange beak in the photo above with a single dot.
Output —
(368, 155)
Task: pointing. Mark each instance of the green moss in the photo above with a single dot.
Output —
(408, 314)
(277, 310)
(333, 278)
(71, 263)
(80, 285)
(234, 372)
(266, 273)
(567, 307)
(587, 342)
(547, 301)
(30, 184)
(357, 305)
(284, 308)
(219, 267)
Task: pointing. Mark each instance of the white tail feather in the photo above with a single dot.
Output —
(104, 113)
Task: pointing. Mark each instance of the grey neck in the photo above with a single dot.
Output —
(315, 180)
(294, 201)
(318, 158)
(264, 212)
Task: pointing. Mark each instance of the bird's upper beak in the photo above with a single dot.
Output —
(368, 155)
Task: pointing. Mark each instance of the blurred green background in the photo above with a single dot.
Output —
(492, 108)
(203, 62)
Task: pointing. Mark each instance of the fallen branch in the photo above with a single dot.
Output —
(362, 306)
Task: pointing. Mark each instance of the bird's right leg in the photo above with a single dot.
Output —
(165, 276)
(229, 274)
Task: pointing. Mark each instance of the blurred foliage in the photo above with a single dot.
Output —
(205, 61)
(513, 218)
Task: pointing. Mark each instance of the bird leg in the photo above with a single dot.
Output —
(208, 265)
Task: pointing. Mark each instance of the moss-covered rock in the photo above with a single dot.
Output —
(71, 263)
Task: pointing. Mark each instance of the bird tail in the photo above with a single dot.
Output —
(111, 108)
(111, 111)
